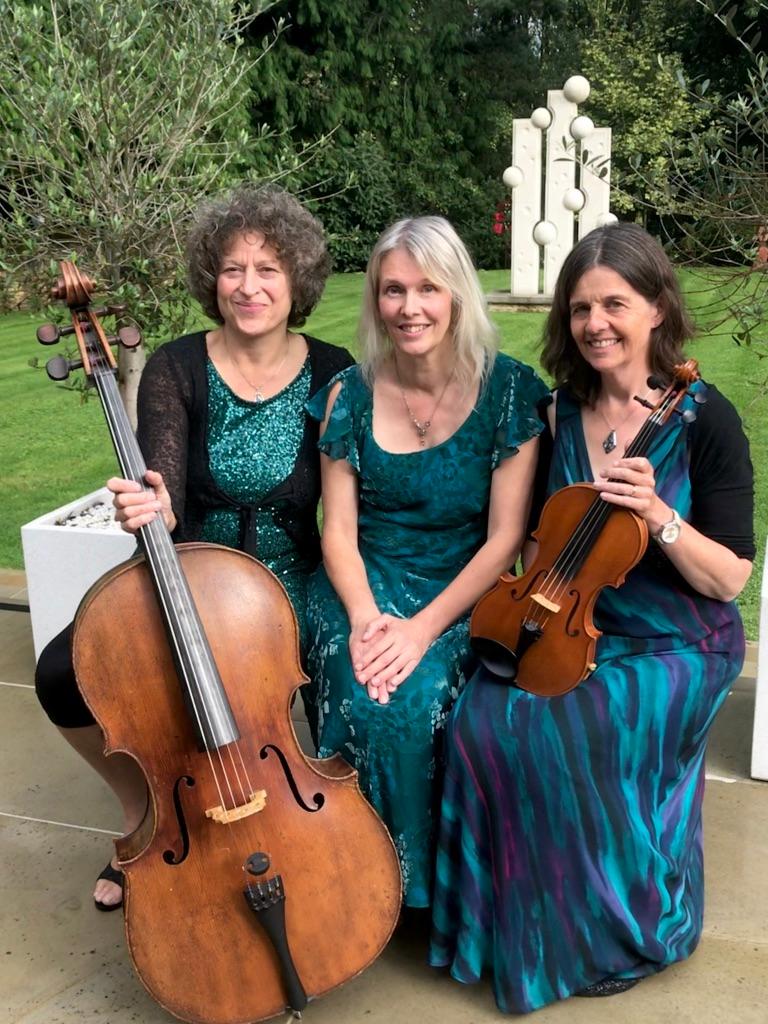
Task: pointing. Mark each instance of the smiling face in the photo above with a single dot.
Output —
(610, 322)
(415, 311)
(253, 291)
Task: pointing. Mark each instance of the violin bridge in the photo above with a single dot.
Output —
(225, 815)
(545, 602)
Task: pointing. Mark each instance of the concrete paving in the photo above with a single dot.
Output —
(62, 962)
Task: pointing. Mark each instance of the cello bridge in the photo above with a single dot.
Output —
(545, 603)
(225, 815)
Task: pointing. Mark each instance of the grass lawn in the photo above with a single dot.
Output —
(55, 448)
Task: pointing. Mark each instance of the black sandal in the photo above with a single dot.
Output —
(609, 987)
(115, 875)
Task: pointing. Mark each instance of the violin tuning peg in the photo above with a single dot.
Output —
(129, 337)
(644, 402)
(59, 368)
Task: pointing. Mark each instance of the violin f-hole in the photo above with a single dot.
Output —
(572, 622)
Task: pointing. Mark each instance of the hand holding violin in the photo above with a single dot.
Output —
(631, 483)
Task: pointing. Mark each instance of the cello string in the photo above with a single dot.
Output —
(124, 440)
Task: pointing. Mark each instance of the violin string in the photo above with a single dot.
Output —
(124, 441)
(589, 526)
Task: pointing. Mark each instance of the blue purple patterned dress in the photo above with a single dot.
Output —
(570, 845)
(422, 516)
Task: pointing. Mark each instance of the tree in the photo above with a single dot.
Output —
(398, 84)
(120, 118)
(629, 57)
(719, 210)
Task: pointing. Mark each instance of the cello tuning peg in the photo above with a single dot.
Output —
(114, 310)
(49, 334)
(59, 368)
(129, 337)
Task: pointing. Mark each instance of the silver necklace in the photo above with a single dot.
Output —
(422, 426)
(258, 389)
(610, 440)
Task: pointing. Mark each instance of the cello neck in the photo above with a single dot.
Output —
(204, 694)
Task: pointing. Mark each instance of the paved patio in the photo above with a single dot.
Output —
(63, 962)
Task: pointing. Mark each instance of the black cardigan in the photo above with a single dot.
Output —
(173, 435)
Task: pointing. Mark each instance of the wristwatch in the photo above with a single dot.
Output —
(670, 531)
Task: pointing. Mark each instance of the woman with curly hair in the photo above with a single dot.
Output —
(221, 423)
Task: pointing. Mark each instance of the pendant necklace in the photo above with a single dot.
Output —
(422, 426)
(258, 389)
(610, 440)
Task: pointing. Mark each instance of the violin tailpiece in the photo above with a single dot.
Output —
(224, 815)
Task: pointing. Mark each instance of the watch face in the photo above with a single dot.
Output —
(670, 533)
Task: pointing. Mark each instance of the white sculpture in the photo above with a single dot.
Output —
(551, 208)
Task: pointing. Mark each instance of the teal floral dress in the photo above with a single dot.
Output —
(423, 515)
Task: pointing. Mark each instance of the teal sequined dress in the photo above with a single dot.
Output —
(570, 843)
(238, 432)
(422, 517)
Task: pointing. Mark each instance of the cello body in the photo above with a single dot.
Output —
(196, 944)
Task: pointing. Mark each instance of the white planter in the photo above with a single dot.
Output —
(760, 734)
(62, 562)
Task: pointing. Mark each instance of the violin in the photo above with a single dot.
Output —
(259, 878)
(537, 630)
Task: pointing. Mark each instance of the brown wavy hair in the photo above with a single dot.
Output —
(632, 253)
(296, 236)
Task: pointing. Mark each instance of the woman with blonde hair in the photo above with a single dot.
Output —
(428, 454)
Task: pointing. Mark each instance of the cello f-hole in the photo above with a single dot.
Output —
(172, 856)
(318, 799)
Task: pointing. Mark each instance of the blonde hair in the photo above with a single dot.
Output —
(434, 245)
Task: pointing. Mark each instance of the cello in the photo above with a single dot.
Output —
(260, 878)
(536, 630)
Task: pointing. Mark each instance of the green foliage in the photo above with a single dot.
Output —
(397, 90)
(119, 117)
(636, 89)
(717, 194)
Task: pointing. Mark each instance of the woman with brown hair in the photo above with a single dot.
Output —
(222, 425)
(570, 851)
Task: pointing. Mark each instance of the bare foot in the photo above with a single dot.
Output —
(110, 894)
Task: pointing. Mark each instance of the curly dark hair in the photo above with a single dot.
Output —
(631, 252)
(296, 236)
